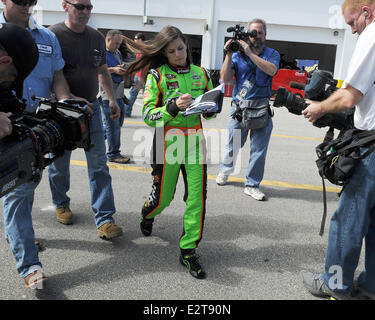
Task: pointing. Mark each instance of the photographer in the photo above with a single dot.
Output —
(18, 57)
(253, 67)
(354, 219)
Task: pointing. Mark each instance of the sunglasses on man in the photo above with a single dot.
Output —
(25, 3)
(80, 6)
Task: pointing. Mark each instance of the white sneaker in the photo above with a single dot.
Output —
(255, 193)
(221, 179)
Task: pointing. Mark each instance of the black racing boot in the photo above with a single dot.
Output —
(146, 226)
(190, 261)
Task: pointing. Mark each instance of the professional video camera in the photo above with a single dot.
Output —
(239, 34)
(319, 88)
(54, 128)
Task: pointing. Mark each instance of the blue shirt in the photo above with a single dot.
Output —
(40, 80)
(245, 69)
(112, 61)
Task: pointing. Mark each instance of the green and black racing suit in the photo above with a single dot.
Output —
(179, 145)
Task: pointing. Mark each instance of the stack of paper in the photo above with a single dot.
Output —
(209, 102)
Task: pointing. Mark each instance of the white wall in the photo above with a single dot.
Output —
(291, 20)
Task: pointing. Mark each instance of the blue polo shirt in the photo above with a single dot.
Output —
(112, 61)
(39, 82)
(245, 69)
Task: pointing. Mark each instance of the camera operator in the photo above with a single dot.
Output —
(46, 77)
(253, 67)
(18, 57)
(5, 74)
(354, 219)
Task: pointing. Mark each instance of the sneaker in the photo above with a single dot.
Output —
(221, 179)
(120, 159)
(64, 215)
(34, 280)
(314, 283)
(192, 264)
(109, 231)
(146, 226)
(255, 193)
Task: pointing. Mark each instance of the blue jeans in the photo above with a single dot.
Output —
(353, 221)
(102, 201)
(133, 94)
(18, 226)
(259, 141)
(112, 128)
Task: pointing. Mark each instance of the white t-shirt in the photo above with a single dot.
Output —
(361, 76)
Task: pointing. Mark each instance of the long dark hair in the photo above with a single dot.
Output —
(152, 50)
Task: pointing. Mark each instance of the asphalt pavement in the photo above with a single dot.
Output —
(251, 250)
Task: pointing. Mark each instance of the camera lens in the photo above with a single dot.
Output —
(50, 136)
(280, 98)
(234, 46)
(294, 103)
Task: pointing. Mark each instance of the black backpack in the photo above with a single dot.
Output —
(337, 158)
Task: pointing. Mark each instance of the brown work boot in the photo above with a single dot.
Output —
(109, 231)
(120, 159)
(34, 280)
(64, 215)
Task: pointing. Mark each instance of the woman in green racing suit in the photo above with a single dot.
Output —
(179, 144)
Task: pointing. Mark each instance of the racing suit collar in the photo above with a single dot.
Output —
(180, 70)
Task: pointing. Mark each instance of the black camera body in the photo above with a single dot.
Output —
(319, 87)
(54, 128)
(239, 34)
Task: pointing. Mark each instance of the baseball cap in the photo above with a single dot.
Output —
(21, 47)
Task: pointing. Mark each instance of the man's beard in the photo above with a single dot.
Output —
(83, 19)
(258, 43)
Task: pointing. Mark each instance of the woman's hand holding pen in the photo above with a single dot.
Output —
(183, 101)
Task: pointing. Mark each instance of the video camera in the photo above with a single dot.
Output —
(319, 87)
(239, 34)
(54, 128)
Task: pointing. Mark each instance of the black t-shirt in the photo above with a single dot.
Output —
(83, 54)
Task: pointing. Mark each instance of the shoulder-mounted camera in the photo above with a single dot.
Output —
(38, 139)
